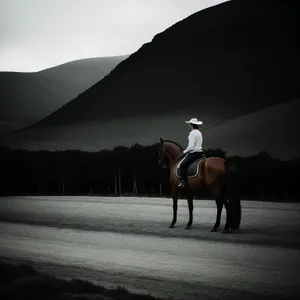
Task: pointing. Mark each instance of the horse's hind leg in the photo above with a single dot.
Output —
(218, 192)
(219, 202)
(175, 205)
(228, 215)
(237, 214)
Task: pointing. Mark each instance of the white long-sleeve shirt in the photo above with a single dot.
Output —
(195, 142)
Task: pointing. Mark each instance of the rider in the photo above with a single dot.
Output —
(193, 150)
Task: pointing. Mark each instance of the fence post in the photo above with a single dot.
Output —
(116, 186)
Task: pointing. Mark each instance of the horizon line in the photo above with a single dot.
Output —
(64, 63)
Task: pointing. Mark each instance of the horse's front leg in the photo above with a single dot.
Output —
(175, 205)
(191, 208)
(228, 215)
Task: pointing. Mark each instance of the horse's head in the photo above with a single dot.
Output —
(163, 158)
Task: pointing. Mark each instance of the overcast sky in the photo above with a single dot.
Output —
(37, 34)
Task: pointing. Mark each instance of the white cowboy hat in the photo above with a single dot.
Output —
(194, 121)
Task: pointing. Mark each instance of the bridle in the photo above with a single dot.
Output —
(175, 159)
(160, 156)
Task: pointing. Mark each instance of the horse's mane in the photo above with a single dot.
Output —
(172, 142)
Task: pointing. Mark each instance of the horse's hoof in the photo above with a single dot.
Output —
(235, 228)
(187, 227)
(214, 229)
(171, 226)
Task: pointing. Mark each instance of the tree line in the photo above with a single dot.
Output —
(132, 171)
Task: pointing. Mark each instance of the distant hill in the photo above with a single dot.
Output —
(85, 72)
(236, 59)
(29, 97)
(273, 129)
(224, 61)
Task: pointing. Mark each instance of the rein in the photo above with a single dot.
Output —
(176, 157)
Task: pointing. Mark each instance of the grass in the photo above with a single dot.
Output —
(22, 282)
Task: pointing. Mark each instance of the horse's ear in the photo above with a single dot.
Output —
(161, 140)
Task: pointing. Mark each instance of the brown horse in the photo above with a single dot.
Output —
(214, 174)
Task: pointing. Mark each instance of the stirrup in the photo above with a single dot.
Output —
(182, 184)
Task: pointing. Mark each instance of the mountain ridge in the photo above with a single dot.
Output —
(170, 66)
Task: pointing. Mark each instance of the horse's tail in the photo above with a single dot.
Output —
(232, 193)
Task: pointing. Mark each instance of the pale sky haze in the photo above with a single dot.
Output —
(37, 34)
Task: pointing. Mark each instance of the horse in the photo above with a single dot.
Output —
(213, 173)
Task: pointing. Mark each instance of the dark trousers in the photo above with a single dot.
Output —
(190, 157)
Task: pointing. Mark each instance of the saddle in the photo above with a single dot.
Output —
(192, 169)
